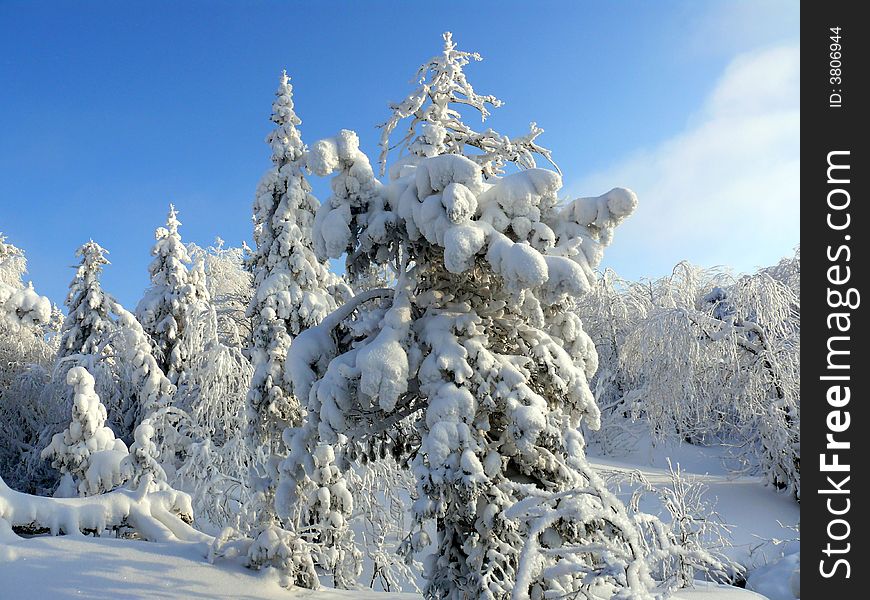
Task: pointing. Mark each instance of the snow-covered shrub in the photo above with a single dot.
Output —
(87, 450)
(287, 553)
(486, 267)
(174, 293)
(695, 539)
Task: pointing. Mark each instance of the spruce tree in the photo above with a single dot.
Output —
(166, 308)
(291, 284)
(469, 366)
(72, 451)
(88, 306)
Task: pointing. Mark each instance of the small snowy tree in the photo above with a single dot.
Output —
(143, 458)
(165, 309)
(88, 307)
(87, 450)
(102, 336)
(469, 347)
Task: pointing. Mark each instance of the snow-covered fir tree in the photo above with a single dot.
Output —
(88, 307)
(102, 336)
(87, 450)
(461, 358)
(292, 287)
(167, 305)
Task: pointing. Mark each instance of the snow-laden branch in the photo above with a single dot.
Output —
(315, 343)
(156, 516)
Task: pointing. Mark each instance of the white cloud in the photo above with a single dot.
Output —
(725, 190)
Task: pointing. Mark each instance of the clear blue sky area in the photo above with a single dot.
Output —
(111, 110)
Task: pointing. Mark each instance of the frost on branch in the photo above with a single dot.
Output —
(87, 450)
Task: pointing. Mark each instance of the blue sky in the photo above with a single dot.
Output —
(110, 111)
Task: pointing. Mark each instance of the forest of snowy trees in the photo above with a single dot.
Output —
(419, 419)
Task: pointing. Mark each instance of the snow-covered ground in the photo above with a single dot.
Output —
(61, 568)
(85, 567)
(760, 519)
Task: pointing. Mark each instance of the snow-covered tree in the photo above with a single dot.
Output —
(102, 336)
(13, 264)
(229, 285)
(87, 450)
(28, 342)
(213, 396)
(25, 316)
(143, 462)
(88, 307)
(717, 360)
(165, 308)
(462, 353)
(292, 287)
(610, 311)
